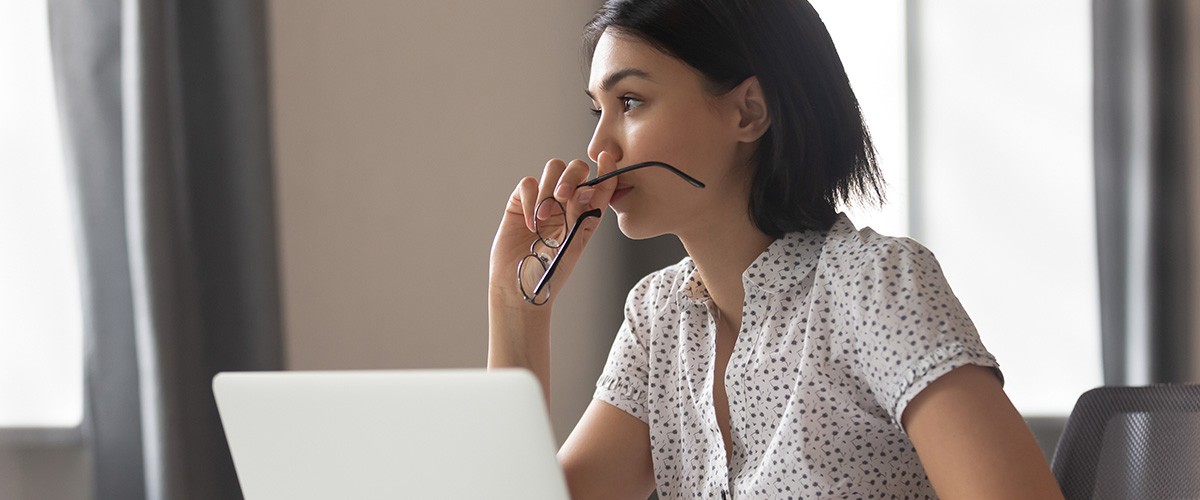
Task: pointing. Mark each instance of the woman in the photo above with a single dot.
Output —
(844, 366)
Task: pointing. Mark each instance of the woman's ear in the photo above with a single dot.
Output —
(753, 117)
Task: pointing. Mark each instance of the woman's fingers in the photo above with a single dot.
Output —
(576, 200)
(604, 191)
(576, 172)
(527, 191)
(550, 176)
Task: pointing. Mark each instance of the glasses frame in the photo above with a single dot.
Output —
(561, 249)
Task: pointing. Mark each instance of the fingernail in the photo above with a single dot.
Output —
(585, 195)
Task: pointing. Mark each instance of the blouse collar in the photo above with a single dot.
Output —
(779, 269)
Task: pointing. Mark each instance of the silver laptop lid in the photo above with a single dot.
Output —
(423, 434)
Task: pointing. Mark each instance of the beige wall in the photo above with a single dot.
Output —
(400, 130)
(44, 473)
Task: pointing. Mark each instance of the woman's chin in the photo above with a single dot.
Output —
(634, 231)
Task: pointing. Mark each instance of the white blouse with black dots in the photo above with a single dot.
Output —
(840, 330)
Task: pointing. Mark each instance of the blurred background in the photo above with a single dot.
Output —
(187, 188)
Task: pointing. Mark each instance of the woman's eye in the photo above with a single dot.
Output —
(629, 103)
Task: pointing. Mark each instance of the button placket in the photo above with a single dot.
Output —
(721, 473)
(743, 350)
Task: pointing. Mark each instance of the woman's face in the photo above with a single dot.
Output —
(655, 107)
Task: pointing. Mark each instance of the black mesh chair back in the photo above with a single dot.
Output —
(1132, 443)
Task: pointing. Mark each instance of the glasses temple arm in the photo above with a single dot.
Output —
(562, 250)
(690, 180)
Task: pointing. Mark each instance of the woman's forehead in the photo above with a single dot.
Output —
(618, 54)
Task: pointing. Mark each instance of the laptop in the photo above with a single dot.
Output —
(424, 434)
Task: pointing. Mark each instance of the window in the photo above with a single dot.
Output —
(41, 368)
(999, 124)
(869, 35)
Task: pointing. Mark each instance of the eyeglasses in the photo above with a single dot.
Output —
(550, 223)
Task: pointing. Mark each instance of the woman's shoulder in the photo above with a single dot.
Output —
(863, 263)
(873, 250)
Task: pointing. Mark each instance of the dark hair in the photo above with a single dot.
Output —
(817, 151)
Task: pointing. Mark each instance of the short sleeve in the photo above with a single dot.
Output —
(914, 330)
(625, 377)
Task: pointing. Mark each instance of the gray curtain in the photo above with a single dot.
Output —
(86, 45)
(166, 126)
(1147, 135)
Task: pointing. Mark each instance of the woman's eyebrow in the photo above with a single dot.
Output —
(615, 77)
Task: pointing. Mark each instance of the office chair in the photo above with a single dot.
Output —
(1131, 442)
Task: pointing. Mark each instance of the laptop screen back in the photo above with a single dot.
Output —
(389, 434)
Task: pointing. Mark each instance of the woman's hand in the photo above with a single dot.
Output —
(518, 331)
(516, 233)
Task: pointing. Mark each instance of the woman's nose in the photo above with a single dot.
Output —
(602, 140)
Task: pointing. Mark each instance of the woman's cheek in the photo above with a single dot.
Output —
(652, 139)
(640, 140)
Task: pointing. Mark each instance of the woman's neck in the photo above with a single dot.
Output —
(722, 252)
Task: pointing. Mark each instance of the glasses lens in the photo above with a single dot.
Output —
(529, 272)
(551, 222)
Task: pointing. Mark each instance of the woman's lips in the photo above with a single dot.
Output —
(620, 192)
